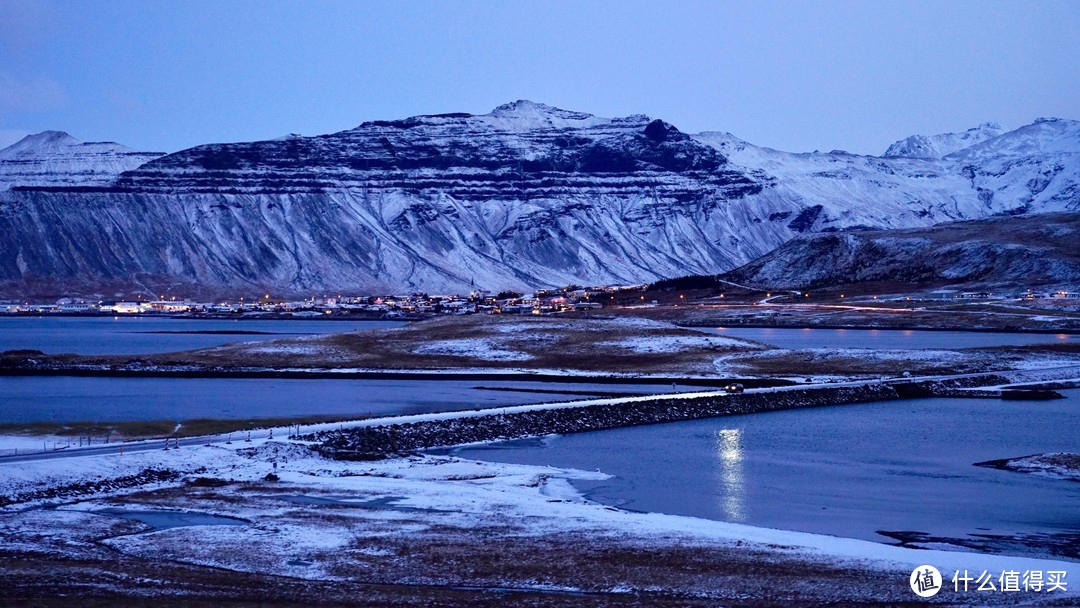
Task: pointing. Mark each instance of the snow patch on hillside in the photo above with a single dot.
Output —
(672, 344)
(477, 348)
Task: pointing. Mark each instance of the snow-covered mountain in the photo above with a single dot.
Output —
(1035, 168)
(525, 196)
(54, 158)
(938, 146)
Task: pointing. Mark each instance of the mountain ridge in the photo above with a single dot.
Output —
(525, 196)
(943, 144)
(56, 159)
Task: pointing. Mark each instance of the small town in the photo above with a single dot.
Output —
(565, 299)
(478, 301)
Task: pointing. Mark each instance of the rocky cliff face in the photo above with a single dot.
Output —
(525, 196)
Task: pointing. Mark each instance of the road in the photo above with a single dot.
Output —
(144, 446)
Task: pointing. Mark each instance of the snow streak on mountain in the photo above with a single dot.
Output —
(525, 196)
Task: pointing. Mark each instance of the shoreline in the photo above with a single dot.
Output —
(553, 376)
(269, 316)
(424, 520)
(972, 330)
(542, 521)
(731, 322)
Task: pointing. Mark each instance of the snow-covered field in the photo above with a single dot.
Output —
(429, 520)
(332, 520)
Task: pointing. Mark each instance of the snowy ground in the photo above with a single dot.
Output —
(1058, 465)
(673, 344)
(477, 348)
(433, 520)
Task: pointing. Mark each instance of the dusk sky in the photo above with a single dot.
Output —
(797, 76)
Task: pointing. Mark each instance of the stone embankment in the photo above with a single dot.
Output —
(379, 438)
(526, 421)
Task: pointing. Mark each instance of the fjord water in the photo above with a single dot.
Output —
(132, 335)
(901, 339)
(847, 470)
(113, 399)
(108, 399)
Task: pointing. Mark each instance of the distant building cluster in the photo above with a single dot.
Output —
(477, 301)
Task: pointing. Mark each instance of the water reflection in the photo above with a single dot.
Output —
(733, 490)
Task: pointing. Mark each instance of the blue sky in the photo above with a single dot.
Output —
(793, 75)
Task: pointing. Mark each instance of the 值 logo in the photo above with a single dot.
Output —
(925, 581)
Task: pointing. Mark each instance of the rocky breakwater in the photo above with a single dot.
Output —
(411, 433)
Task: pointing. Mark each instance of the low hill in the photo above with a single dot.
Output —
(1038, 251)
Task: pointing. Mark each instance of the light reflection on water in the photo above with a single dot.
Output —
(733, 486)
(848, 471)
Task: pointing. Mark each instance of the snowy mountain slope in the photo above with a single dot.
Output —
(1018, 251)
(938, 146)
(54, 158)
(1037, 165)
(1035, 168)
(837, 190)
(525, 196)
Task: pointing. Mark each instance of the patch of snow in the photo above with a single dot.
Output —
(1040, 364)
(477, 348)
(672, 344)
(270, 348)
(20, 444)
(1057, 465)
(438, 491)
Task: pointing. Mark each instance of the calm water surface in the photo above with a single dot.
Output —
(786, 337)
(847, 470)
(71, 399)
(850, 471)
(142, 335)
